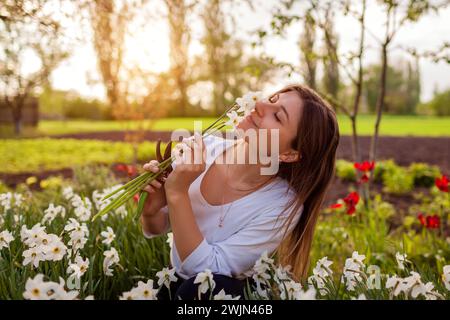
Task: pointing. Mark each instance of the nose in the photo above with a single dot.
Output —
(262, 107)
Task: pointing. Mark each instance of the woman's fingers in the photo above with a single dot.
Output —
(149, 189)
(156, 184)
(151, 166)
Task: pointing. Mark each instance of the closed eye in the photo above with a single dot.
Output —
(277, 117)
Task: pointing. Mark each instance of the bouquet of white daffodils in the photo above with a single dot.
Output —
(231, 117)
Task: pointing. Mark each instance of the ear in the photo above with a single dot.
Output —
(290, 156)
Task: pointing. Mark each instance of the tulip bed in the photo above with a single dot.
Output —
(50, 249)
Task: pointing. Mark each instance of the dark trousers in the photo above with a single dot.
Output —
(187, 290)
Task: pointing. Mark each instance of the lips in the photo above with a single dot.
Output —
(250, 119)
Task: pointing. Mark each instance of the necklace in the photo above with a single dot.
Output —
(222, 215)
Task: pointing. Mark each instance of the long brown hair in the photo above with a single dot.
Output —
(309, 177)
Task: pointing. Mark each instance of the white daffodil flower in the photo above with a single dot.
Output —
(5, 239)
(309, 294)
(55, 251)
(36, 288)
(170, 239)
(446, 277)
(223, 296)
(233, 119)
(31, 237)
(282, 274)
(56, 291)
(289, 290)
(68, 193)
(33, 256)
(247, 102)
(111, 258)
(108, 236)
(5, 200)
(71, 224)
(392, 282)
(322, 268)
(77, 243)
(401, 259)
(128, 295)
(51, 212)
(145, 291)
(79, 267)
(319, 282)
(205, 280)
(166, 276)
(360, 297)
(18, 199)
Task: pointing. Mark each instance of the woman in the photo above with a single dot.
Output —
(223, 217)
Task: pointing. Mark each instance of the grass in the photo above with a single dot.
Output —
(31, 155)
(391, 125)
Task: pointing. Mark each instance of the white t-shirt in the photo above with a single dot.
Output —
(250, 225)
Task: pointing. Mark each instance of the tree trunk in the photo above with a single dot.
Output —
(359, 83)
(380, 102)
(16, 110)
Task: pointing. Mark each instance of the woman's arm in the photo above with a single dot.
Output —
(153, 219)
(186, 233)
(154, 223)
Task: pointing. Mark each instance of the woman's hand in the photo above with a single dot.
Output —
(157, 195)
(190, 165)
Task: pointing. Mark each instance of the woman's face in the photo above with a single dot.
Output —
(281, 111)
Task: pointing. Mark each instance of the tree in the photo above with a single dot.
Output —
(307, 51)
(440, 104)
(330, 78)
(402, 88)
(216, 40)
(227, 68)
(397, 14)
(179, 44)
(28, 29)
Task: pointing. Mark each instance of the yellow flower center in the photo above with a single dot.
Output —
(36, 291)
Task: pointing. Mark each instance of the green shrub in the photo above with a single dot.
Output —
(398, 180)
(423, 174)
(382, 168)
(345, 170)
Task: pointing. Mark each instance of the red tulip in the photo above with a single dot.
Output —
(364, 166)
(351, 201)
(422, 219)
(336, 206)
(442, 183)
(364, 178)
(429, 222)
(131, 170)
(433, 222)
(121, 167)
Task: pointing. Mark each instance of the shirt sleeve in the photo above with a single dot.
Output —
(240, 251)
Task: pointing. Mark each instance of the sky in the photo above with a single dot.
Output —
(149, 46)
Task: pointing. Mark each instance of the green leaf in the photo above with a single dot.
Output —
(142, 198)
